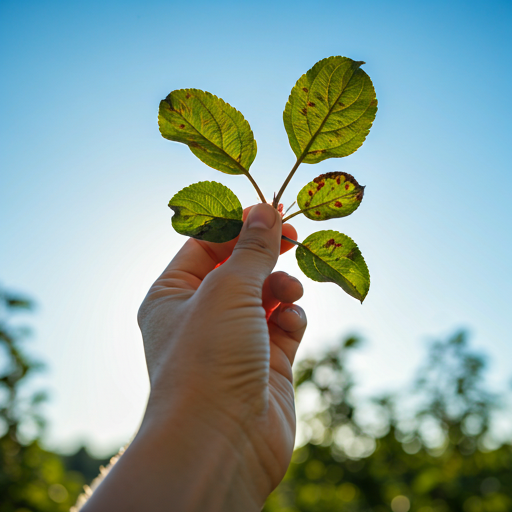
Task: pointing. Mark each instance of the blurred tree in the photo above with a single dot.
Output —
(428, 450)
(31, 479)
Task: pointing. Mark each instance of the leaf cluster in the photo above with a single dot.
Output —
(329, 113)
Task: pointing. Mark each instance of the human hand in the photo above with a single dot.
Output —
(219, 428)
(213, 356)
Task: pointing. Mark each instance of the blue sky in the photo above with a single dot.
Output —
(86, 178)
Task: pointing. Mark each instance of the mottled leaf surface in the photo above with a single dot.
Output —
(214, 131)
(330, 110)
(331, 195)
(330, 256)
(208, 211)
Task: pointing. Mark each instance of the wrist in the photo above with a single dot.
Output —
(204, 457)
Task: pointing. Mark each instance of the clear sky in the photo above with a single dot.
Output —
(86, 178)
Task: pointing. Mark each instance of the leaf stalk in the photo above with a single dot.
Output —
(255, 185)
(286, 181)
(292, 215)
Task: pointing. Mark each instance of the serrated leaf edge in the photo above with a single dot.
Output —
(209, 194)
(357, 266)
(223, 102)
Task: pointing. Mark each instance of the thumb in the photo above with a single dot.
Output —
(257, 249)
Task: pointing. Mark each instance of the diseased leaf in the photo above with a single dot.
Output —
(207, 211)
(330, 110)
(214, 131)
(330, 256)
(331, 195)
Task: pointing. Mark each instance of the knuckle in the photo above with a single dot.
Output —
(255, 243)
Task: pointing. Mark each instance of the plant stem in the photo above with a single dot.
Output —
(255, 185)
(286, 181)
(294, 242)
(292, 215)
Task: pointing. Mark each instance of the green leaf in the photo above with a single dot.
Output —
(214, 131)
(330, 110)
(207, 211)
(331, 195)
(330, 256)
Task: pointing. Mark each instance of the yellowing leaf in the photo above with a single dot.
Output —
(330, 110)
(330, 256)
(331, 195)
(207, 211)
(214, 131)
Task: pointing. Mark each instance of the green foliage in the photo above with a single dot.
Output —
(330, 110)
(329, 256)
(328, 115)
(31, 479)
(331, 195)
(213, 130)
(393, 464)
(208, 211)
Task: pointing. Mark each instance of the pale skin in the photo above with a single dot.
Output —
(219, 428)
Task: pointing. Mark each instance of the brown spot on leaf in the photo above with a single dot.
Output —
(306, 204)
(194, 145)
(338, 176)
(304, 111)
(320, 185)
(338, 204)
(310, 192)
(305, 89)
(346, 186)
(318, 151)
(182, 126)
(187, 96)
(341, 104)
(317, 213)
(311, 104)
(338, 245)
(330, 242)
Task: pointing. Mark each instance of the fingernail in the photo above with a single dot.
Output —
(261, 216)
(293, 310)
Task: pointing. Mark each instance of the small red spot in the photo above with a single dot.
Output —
(320, 185)
(338, 180)
(310, 192)
(346, 186)
(311, 104)
(330, 242)
(317, 213)
(338, 245)
(305, 89)
(338, 204)
(182, 126)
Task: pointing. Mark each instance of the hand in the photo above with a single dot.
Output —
(219, 427)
